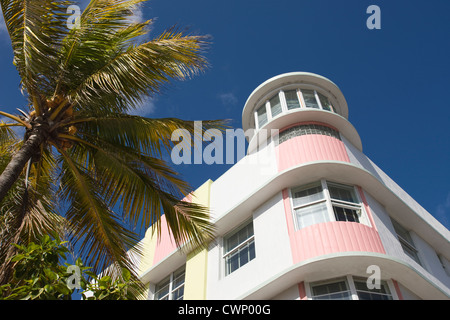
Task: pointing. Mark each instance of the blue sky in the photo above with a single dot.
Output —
(395, 79)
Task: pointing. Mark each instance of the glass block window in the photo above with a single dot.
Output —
(305, 129)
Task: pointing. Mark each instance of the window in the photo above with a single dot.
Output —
(284, 101)
(275, 106)
(349, 288)
(292, 99)
(406, 241)
(324, 102)
(312, 204)
(172, 287)
(262, 116)
(239, 248)
(346, 207)
(310, 99)
(309, 205)
(441, 260)
(364, 293)
(334, 290)
(304, 129)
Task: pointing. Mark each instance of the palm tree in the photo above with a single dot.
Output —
(87, 167)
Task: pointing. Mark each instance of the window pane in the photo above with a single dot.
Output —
(364, 293)
(178, 294)
(169, 289)
(232, 263)
(232, 242)
(343, 193)
(402, 232)
(262, 116)
(331, 291)
(245, 233)
(275, 106)
(162, 288)
(310, 99)
(292, 99)
(163, 291)
(238, 238)
(241, 257)
(304, 195)
(242, 248)
(178, 278)
(251, 250)
(312, 214)
(346, 214)
(362, 286)
(326, 105)
(412, 253)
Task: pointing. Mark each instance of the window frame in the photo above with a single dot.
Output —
(408, 243)
(325, 282)
(246, 242)
(297, 94)
(330, 203)
(346, 204)
(257, 125)
(171, 290)
(350, 283)
(284, 107)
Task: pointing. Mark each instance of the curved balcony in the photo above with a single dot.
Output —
(298, 116)
(334, 237)
(354, 263)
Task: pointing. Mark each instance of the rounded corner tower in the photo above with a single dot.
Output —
(295, 98)
(305, 214)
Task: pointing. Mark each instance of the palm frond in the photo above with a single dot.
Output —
(139, 71)
(104, 239)
(109, 175)
(144, 188)
(104, 30)
(36, 29)
(148, 135)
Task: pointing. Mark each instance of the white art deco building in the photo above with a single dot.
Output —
(316, 219)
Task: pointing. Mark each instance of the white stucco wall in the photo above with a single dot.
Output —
(430, 264)
(272, 249)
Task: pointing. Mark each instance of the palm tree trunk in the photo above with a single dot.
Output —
(9, 176)
(18, 161)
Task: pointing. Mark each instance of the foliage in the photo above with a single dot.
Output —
(39, 275)
(86, 166)
(106, 288)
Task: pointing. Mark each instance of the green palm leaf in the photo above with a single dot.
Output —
(36, 29)
(85, 164)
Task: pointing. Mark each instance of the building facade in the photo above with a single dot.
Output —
(304, 215)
